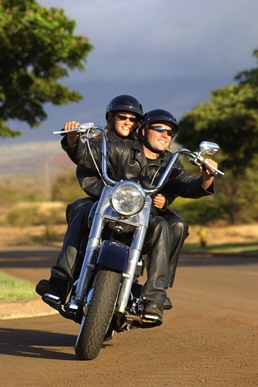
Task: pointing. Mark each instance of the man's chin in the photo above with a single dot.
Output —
(161, 149)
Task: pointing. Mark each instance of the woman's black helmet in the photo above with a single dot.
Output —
(160, 115)
(125, 103)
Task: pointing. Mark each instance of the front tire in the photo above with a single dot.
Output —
(96, 322)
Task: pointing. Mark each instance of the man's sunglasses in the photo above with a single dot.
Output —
(160, 129)
(120, 117)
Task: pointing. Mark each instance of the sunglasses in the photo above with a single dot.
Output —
(160, 129)
(120, 117)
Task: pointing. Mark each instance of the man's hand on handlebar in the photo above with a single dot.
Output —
(208, 173)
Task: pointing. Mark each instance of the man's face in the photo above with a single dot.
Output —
(125, 123)
(158, 137)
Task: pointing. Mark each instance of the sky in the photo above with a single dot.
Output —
(169, 54)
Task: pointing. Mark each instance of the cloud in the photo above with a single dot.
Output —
(152, 39)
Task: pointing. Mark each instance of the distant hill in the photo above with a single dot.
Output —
(31, 159)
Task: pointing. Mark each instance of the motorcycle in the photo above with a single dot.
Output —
(107, 298)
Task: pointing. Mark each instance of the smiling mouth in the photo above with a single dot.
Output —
(162, 142)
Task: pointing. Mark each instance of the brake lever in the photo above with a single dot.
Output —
(199, 160)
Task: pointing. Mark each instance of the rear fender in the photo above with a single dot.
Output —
(113, 255)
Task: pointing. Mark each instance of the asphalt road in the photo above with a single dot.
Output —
(209, 338)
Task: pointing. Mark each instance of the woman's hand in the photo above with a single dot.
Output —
(159, 201)
(73, 136)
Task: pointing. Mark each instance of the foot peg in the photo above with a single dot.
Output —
(52, 300)
(151, 319)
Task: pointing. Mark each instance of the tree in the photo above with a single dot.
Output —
(230, 119)
(37, 48)
(249, 76)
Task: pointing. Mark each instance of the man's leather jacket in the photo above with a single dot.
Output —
(127, 160)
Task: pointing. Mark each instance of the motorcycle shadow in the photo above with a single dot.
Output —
(37, 344)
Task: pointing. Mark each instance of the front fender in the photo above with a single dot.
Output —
(113, 255)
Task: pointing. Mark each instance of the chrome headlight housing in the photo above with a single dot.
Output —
(127, 198)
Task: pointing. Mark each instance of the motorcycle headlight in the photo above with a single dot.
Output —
(127, 198)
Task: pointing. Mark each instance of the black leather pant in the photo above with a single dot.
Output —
(158, 255)
(73, 207)
(179, 232)
(73, 246)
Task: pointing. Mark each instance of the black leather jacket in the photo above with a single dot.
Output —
(127, 160)
(88, 178)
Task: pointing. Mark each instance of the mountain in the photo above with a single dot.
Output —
(31, 160)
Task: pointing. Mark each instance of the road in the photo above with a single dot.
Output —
(209, 338)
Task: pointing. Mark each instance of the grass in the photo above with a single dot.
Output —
(226, 248)
(13, 289)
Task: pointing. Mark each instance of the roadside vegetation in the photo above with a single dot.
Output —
(32, 219)
(14, 289)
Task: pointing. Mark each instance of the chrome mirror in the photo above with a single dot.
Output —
(210, 148)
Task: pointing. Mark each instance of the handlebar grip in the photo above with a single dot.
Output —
(81, 129)
(63, 132)
(216, 171)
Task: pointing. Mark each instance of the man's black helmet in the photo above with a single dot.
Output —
(160, 115)
(125, 103)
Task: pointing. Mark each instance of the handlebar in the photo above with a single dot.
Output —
(197, 159)
(80, 129)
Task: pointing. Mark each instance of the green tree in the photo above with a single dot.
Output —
(228, 120)
(37, 48)
(231, 120)
(249, 76)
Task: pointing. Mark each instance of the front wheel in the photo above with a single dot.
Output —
(96, 322)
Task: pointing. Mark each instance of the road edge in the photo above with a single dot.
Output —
(25, 309)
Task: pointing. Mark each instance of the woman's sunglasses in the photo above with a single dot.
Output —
(120, 117)
(160, 129)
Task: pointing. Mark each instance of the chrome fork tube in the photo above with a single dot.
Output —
(92, 245)
(134, 257)
(86, 269)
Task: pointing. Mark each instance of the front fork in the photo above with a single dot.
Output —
(128, 275)
(134, 254)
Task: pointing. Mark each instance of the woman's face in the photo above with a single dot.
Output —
(125, 123)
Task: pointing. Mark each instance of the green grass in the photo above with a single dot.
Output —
(13, 289)
(227, 248)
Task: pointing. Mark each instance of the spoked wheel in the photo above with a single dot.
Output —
(99, 314)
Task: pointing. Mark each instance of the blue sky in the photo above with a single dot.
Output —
(168, 53)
